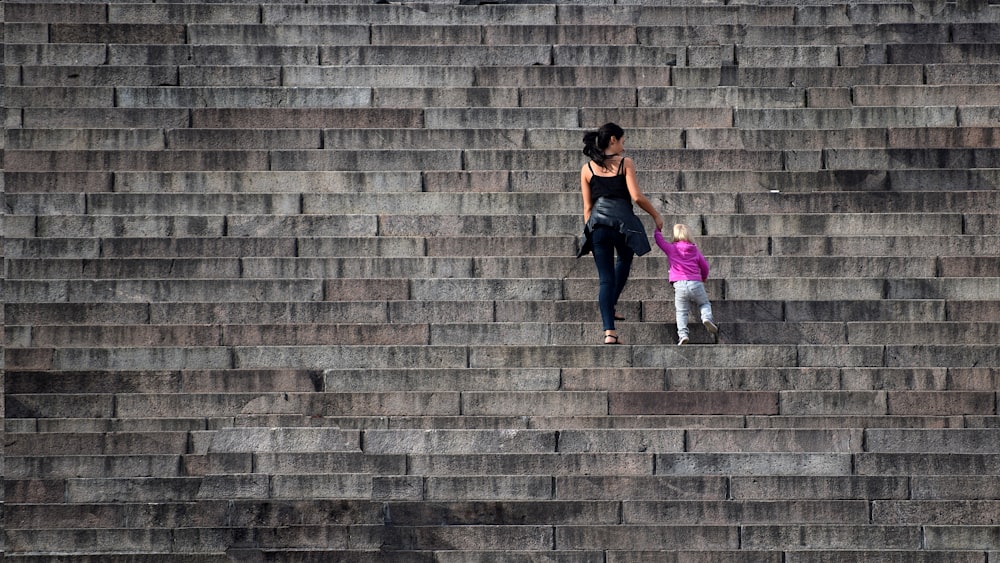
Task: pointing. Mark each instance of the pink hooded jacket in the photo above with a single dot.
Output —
(686, 261)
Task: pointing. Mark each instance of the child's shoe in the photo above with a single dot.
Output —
(711, 327)
(684, 340)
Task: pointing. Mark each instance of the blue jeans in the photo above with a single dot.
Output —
(685, 293)
(613, 275)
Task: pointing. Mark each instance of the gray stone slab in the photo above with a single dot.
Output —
(540, 356)
(970, 487)
(753, 463)
(264, 34)
(493, 487)
(300, 225)
(105, 117)
(202, 13)
(746, 512)
(354, 267)
(420, 97)
(922, 310)
(854, 355)
(80, 139)
(944, 288)
(833, 402)
(471, 55)
(926, 464)
(805, 288)
(138, 489)
(822, 537)
(774, 440)
(620, 440)
(940, 512)
(921, 333)
(57, 182)
(459, 441)
(430, 311)
(561, 403)
(805, 118)
(532, 464)
(350, 356)
(357, 160)
(443, 118)
(901, 245)
(659, 14)
(653, 537)
(962, 73)
(254, 118)
(941, 441)
(26, 33)
(102, 540)
(750, 379)
(56, 12)
(963, 537)
(239, 54)
(539, 76)
(132, 358)
(186, 97)
(822, 224)
(242, 440)
(478, 289)
(332, 486)
(925, 379)
(380, 76)
(403, 14)
(819, 487)
(69, 75)
(728, 356)
(60, 96)
(97, 160)
(47, 54)
(124, 291)
(67, 467)
(620, 487)
(855, 421)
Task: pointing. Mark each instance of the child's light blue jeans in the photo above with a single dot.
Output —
(685, 293)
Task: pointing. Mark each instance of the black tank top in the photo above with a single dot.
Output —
(609, 186)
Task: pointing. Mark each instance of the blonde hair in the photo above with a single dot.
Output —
(681, 233)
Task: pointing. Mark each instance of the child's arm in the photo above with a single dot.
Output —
(661, 242)
(704, 266)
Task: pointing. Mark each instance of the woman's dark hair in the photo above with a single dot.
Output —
(595, 142)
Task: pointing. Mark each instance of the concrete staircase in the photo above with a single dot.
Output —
(295, 282)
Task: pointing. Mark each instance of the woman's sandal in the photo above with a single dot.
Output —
(619, 317)
(614, 336)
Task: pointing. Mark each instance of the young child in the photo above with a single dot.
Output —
(688, 272)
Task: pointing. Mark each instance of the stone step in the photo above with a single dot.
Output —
(493, 33)
(570, 379)
(526, 356)
(219, 118)
(521, 181)
(405, 311)
(946, 248)
(463, 263)
(545, 214)
(648, 138)
(95, 466)
(503, 334)
(461, 75)
(77, 443)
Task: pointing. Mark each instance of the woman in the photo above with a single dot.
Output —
(609, 188)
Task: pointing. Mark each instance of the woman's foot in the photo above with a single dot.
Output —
(619, 317)
(611, 339)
